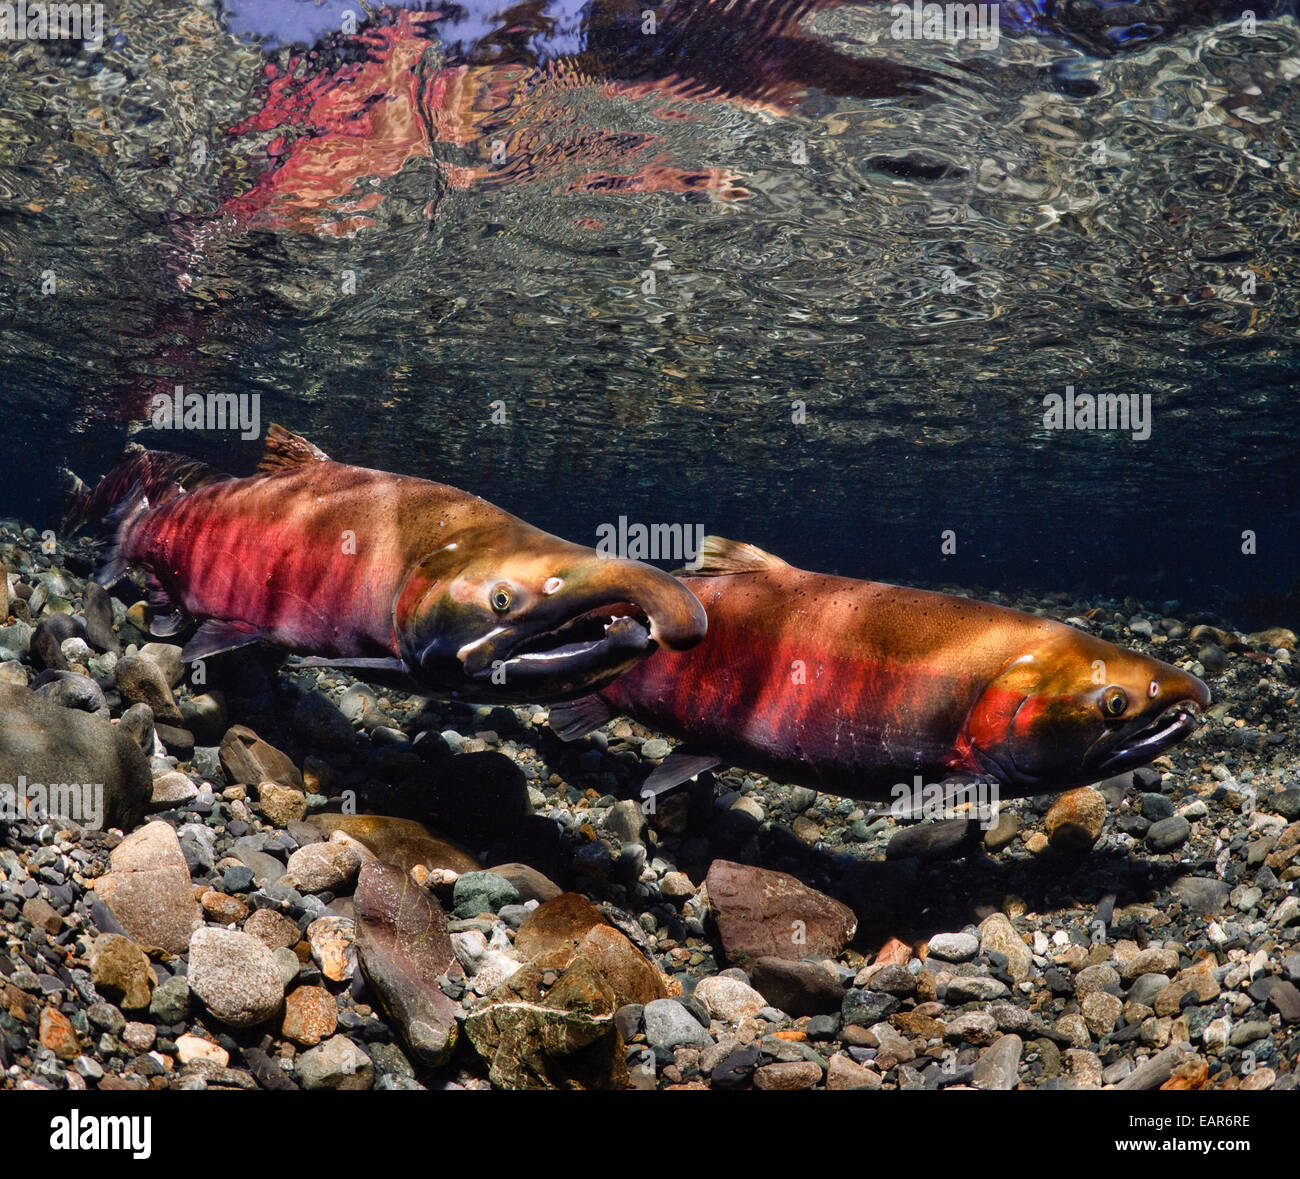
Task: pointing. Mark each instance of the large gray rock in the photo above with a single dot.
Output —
(998, 1063)
(235, 975)
(668, 1026)
(336, 1064)
(44, 744)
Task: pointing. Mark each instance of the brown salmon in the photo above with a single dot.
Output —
(381, 573)
(855, 687)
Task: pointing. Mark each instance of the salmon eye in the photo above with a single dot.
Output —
(1114, 702)
(501, 597)
(1153, 689)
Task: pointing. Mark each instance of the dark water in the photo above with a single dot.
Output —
(403, 234)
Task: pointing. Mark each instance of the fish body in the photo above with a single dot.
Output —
(382, 571)
(855, 687)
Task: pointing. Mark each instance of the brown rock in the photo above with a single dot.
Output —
(570, 926)
(332, 940)
(1191, 1074)
(845, 1073)
(272, 929)
(1002, 832)
(141, 681)
(310, 1016)
(279, 804)
(43, 915)
(795, 1074)
(893, 953)
(918, 1025)
(220, 907)
(1168, 1000)
(563, 921)
(248, 760)
(167, 658)
(632, 978)
(761, 913)
(58, 1035)
(1153, 961)
(1075, 819)
(120, 971)
(148, 889)
(17, 1004)
(561, 1036)
(403, 947)
(529, 883)
(402, 842)
(797, 988)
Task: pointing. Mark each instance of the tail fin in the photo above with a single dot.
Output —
(157, 475)
(113, 565)
(144, 479)
(71, 501)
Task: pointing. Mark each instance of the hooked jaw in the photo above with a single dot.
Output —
(591, 625)
(591, 622)
(1172, 717)
(1037, 741)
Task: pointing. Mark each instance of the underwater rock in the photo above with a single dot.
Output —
(548, 1029)
(761, 913)
(43, 743)
(405, 843)
(248, 760)
(403, 947)
(148, 889)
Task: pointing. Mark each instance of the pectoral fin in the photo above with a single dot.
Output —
(678, 767)
(579, 717)
(359, 663)
(216, 637)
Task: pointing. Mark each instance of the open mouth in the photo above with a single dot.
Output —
(586, 640)
(1150, 740)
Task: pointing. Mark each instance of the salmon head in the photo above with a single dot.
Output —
(1075, 709)
(518, 614)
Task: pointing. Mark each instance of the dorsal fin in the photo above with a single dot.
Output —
(719, 556)
(284, 448)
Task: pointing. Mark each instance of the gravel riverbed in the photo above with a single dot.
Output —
(286, 879)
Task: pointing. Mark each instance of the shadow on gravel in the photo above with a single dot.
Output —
(906, 898)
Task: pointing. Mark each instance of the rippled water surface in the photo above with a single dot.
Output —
(804, 285)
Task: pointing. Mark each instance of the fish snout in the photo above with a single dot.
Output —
(676, 617)
(1199, 692)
